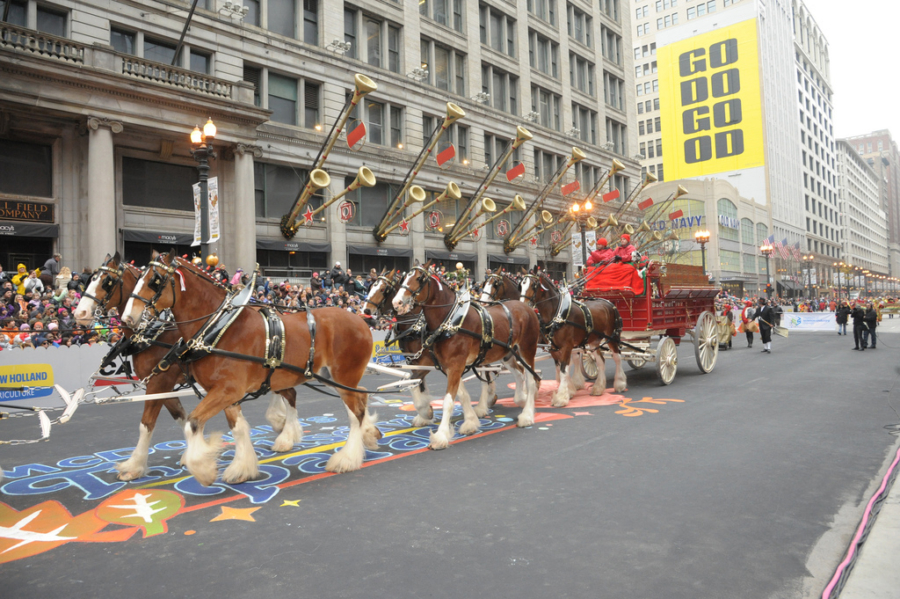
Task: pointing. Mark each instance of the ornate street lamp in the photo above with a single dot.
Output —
(702, 237)
(202, 151)
(767, 250)
(580, 213)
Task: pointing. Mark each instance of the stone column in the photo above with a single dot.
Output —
(101, 205)
(242, 242)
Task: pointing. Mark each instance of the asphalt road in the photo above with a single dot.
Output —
(750, 486)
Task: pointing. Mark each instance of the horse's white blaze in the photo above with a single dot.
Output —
(486, 292)
(200, 456)
(135, 466)
(526, 285)
(440, 439)
(400, 299)
(351, 455)
(86, 306)
(244, 465)
(372, 290)
(132, 314)
(291, 432)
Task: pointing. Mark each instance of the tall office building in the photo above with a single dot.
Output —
(864, 222)
(881, 153)
(97, 100)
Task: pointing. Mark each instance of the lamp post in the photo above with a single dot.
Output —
(865, 276)
(202, 151)
(702, 237)
(807, 260)
(580, 214)
(766, 250)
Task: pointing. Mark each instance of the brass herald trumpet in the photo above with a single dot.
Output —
(417, 195)
(680, 191)
(364, 178)
(617, 167)
(518, 203)
(542, 224)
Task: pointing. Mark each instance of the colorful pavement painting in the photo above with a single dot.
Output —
(83, 502)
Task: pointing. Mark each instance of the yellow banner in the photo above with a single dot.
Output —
(711, 103)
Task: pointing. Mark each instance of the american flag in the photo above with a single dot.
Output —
(770, 239)
(797, 251)
(782, 247)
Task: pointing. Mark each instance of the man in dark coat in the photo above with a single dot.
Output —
(858, 315)
(338, 276)
(870, 321)
(841, 315)
(766, 317)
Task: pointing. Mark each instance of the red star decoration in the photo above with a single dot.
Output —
(533, 241)
(308, 215)
(404, 226)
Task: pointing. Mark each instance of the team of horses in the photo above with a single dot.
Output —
(184, 328)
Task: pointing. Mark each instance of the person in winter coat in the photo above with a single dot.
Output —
(33, 284)
(77, 283)
(871, 321)
(766, 317)
(18, 279)
(315, 283)
(51, 269)
(747, 317)
(338, 277)
(841, 315)
(858, 315)
(602, 254)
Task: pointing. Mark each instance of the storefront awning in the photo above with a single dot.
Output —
(445, 255)
(156, 238)
(283, 245)
(791, 286)
(29, 229)
(366, 250)
(504, 259)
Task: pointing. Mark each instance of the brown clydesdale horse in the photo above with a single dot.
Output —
(459, 349)
(540, 292)
(378, 302)
(343, 344)
(110, 287)
(499, 287)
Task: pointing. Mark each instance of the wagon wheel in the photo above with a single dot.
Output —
(706, 342)
(637, 363)
(589, 366)
(666, 360)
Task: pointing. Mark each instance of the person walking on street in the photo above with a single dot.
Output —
(841, 315)
(766, 317)
(871, 321)
(747, 316)
(858, 314)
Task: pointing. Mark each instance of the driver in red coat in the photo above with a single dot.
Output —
(625, 251)
(602, 254)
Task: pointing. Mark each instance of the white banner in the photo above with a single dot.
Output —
(213, 187)
(198, 231)
(577, 261)
(590, 238)
(809, 321)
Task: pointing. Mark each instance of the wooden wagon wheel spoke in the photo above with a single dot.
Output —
(706, 342)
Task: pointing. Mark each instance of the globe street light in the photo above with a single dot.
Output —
(580, 213)
(702, 237)
(202, 151)
(766, 250)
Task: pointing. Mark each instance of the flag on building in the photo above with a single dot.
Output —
(782, 247)
(797, 251)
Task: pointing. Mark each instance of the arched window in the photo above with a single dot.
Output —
(748, 233)
(762, 232)
(727, 208)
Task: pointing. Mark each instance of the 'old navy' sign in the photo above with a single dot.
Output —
(729, 222)
(685, 222)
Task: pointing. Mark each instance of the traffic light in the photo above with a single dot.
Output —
(769, 289)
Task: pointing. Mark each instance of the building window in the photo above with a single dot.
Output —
(585, 121)
(611, 45)
(728, 209)
(371, 202)
(616, 134)
(456, 134)
(51, 21)
(26, 169)
(282, 17)
(446, 67)
(543, 9)
(581, 74)
(122, 41)
(581, 25)
(543, 54)
(497, 30)
(277, 188)
(730, 261)
(546, 164)
(282, 96)
(254, 75)
(748, 232)
(440, 12)
(547, 105)
(200, 62)
(384, 122)
(611, 8)
(613, 91)
(151, 184)
(158, 51)
(502, 88)
(382, 47)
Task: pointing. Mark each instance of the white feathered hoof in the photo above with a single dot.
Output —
(620, 386)
(201, 462)
(129, 470)
(524, 421)
(520, 401)
(597, 390)
(559, 401)
(283, 444)
(468, 428)
(422, 421)
(345, 461)
(481, 411)
(275, 414)
(238, 473)
(439, 440)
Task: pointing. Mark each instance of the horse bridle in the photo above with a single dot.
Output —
(536, 280)
(109, 285)
(390, 284)
(157, 284)
(414, 301)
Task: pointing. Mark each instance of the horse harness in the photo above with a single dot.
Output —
(562, 318)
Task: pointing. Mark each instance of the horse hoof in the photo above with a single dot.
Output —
(559, 402)
(126, 474)
(481, 412)
(619, 387)
(598, 390)
(422, 421)
(205, 476)
(468, 428)
(524, 422)
(493, 401)
(439, 441)
(282, 445)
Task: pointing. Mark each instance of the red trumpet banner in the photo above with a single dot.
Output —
(676, 214)
(609, 197)
(516, 171)
(446, 155)
(357, 134)
(646, 204)
(570, 187)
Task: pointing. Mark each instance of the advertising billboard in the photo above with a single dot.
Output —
(711, 102)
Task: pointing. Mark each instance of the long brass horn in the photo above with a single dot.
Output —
(417, 194)
(464, 220)
(395, 208)
(616, 168)
(542, 224)
(629, 229)
(680, 191)
(566, 241)
(362, 86)
(576, 156)
(518, 203)
(648, 179)
(364, 178)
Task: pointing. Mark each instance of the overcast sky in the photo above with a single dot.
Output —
(863, 39)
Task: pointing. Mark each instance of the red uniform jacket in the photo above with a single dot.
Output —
(600, 256)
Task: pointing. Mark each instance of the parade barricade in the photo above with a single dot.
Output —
(28, 376)
(809, 321)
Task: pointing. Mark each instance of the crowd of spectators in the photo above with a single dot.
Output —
(37, 306)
